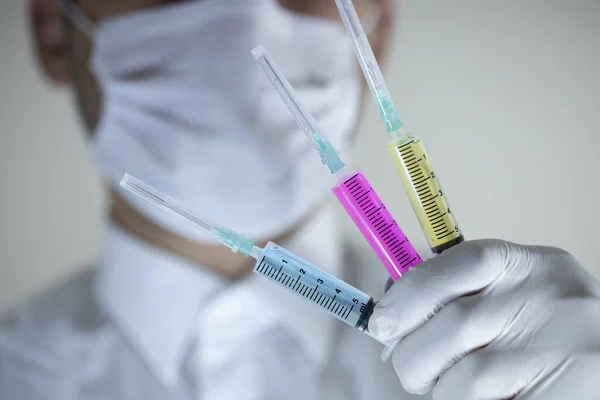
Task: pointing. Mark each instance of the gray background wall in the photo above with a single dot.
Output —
(505, 94)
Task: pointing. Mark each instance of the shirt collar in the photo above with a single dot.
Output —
(155, 297)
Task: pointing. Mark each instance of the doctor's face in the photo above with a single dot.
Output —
(63, 51)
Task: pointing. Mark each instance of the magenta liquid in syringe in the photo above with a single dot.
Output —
(353, 191)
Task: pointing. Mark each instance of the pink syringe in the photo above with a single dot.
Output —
(353, 191)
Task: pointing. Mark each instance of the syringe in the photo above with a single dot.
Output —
(275, 263)
(353, 191)
(407, 151)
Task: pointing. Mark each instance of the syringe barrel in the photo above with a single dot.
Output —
(425, 194)
(377, 225)
(333, 295)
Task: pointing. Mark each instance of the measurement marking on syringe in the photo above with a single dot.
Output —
(414, 166)
(449, 233)
(387, 240)
(438, 223)
(335, 310)
(371, 213)
(404, 257)
(398, 245)
(349, 311)
(297, 283)
(315, 292)
(278, 273)
(352, 178)
(363, 202)
(333, 303)
(380, 223)
(390, 240)
(423, 186)
(440, 216)
(352, 186)
(364, 194)
(372, 210)
(375, 215)
(355, 191)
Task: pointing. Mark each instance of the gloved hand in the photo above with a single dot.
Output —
(490, 320)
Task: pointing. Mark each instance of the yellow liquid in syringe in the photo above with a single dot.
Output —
(425, 194)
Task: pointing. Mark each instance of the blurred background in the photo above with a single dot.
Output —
(504, 94)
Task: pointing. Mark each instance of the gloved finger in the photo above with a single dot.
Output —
(421, 292)
(495, 374)
(458, 329)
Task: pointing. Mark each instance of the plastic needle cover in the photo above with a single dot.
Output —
(329, 155)
(369, 65)
(231, 239)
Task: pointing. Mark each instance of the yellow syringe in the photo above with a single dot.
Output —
(406, 149)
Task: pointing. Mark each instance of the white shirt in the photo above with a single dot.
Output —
(149, 325)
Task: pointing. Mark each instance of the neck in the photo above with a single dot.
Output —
(217, 258)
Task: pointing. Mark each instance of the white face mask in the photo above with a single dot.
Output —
(187, 110)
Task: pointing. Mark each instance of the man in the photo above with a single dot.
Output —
(170, 94)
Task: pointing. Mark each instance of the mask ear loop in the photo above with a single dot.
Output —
(74, 14)
(372, 17)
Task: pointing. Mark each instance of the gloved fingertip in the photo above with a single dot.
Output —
(408, 380)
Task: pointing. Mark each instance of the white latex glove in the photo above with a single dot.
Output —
(494, 320)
